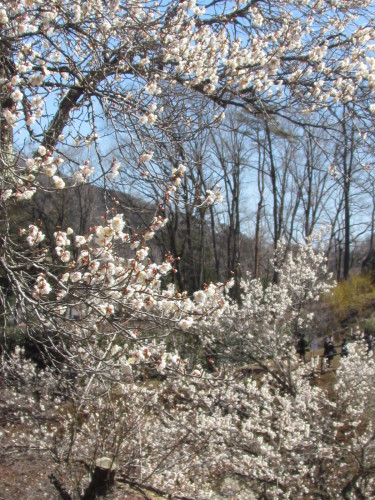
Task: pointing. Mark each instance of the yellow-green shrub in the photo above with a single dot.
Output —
(352, 296)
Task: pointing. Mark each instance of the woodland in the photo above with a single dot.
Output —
(186, 191)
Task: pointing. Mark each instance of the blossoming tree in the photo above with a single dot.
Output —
(199, 435)
(88, 77)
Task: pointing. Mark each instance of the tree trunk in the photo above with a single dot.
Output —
(103, 479)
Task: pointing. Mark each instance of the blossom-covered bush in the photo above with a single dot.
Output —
(265, 327)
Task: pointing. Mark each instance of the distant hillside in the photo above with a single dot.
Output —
(81, 208)
(190, 241)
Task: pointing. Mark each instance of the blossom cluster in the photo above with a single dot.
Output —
(292, 50)
(111, 292)
(269, 319)
(282, 443)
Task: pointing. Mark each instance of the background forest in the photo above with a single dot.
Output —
(276, 180)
